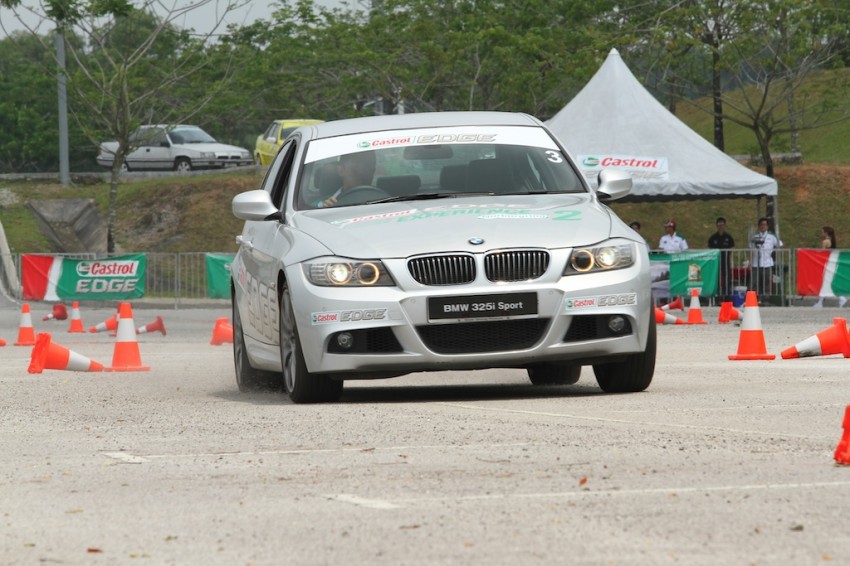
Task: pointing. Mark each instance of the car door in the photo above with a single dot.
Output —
(153, 151)
(268, 147)
(260, 255)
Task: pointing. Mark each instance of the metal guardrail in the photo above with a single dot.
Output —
(181, 278)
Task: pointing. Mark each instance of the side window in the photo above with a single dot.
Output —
(153, 138)
(279, 172)
(272, 131)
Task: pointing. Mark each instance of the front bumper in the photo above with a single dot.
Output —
(390, 329)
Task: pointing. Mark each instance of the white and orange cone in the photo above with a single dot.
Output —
(728, 313)
(676, 304)
(156, 326)
(2, 342)
(110, 324)
(751, 344)
(26, 333)
(126, 356)
(694, 310)
(662, 317)
(59, 313)
(222, 332)
(76, 321)
(842, 451)
(833, 340)
(49, 355)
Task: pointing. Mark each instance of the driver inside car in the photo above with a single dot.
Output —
(356, 170)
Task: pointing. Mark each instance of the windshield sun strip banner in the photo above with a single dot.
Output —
(506, 135)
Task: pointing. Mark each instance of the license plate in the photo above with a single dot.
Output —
(482, 306)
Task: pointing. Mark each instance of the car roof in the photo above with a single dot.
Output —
(298, 121)
(421, 120)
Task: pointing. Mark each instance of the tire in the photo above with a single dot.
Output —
(249, 378)
(632, 374)
(554, 374)
(182, 165)
(301, 385)
(125, 168)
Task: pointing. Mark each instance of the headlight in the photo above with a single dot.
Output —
(337, 272)
(246, 155)
(600, 258)
(207, 155)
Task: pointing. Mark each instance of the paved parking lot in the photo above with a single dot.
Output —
(718, 462)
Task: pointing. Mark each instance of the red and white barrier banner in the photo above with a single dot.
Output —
(824, 273)
(56, 278)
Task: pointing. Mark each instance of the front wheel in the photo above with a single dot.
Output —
(182, 165)
(302, 386)
(632, 374)
(249, 378)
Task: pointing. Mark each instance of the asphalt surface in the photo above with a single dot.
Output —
(718, 462)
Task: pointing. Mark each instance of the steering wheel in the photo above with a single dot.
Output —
(361, 194)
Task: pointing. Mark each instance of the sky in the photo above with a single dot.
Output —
(201, 19)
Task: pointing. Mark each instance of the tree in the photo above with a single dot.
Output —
(123, 62)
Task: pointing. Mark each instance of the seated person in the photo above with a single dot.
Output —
(356, 170)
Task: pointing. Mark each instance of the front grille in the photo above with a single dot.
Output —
(443, 269)
(516, 265)
(480, 337)
(592, 327)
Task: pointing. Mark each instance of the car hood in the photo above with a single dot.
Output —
(450, 225)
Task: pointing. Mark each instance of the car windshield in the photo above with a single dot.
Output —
(433, 163)
(190, 134)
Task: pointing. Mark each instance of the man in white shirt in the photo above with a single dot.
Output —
(671, 242)
(763, 243)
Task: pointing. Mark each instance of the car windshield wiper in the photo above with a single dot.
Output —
(421, 196)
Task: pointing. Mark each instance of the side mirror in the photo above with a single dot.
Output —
(254, 205)
(164, 143)
(613, 184)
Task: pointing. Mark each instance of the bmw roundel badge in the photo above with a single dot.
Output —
(476, 241)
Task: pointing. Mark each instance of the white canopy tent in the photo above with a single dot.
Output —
(614, 122)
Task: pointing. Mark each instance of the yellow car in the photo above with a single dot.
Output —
(269, 142)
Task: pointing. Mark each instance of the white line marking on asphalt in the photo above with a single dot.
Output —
(627, 492)
(364, 449)
(125, 457)
(770, 433)
(363, 502)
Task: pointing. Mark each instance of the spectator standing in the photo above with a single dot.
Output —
(635, 225)
(828, 242)
(671, 242)
(763, 243)
(723, 240)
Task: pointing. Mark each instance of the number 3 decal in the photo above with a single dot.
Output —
(554, 156)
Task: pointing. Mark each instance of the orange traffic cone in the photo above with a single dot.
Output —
(751, 345)
(842, 451)
(155, 326)
(222, 333)
(110, 324)
(126, 356)
(59, 313)
(677, 304)
(76, 321)
(695, 311)
(728, 313)
(26, 333)
(2, 342)
(833, 340)
(49, 355)
(662, 317)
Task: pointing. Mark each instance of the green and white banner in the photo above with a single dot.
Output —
(55, 278)
(218, 275)
(687, 270)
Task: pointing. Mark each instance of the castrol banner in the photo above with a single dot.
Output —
(56, 278)
(645, 168)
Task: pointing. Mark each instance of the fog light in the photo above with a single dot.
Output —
(616, 324)
(345, 340)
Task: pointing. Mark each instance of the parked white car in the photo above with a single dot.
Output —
(174, 148)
